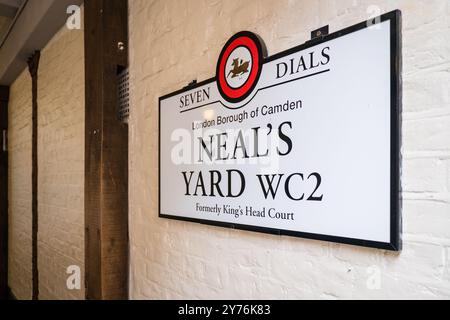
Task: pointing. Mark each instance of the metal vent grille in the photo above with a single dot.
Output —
(123, 95)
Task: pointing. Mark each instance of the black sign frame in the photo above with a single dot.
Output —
(395, 244)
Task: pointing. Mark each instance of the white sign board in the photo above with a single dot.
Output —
(304, 143)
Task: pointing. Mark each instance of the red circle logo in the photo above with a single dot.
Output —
(239, 67)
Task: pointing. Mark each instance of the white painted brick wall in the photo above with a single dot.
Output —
(19, 187)
(61, 171)
(173, 42)
(61, 164)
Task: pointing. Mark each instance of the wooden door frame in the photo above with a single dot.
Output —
(106, 151)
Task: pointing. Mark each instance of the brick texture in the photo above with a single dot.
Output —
(61, 164)
(19, 179)
(61, 170)
(173, 42)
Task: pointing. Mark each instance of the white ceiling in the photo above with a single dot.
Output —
(35, 24)
(8, 10)
(12, 3)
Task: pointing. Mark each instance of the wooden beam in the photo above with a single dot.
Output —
(4, 97)
(33, 66)
(106, 163)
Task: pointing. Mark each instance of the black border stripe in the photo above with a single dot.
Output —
(395, 243)
(261, 89)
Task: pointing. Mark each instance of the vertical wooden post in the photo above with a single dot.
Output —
(4, 97)
(33, 66)
(106, 151)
